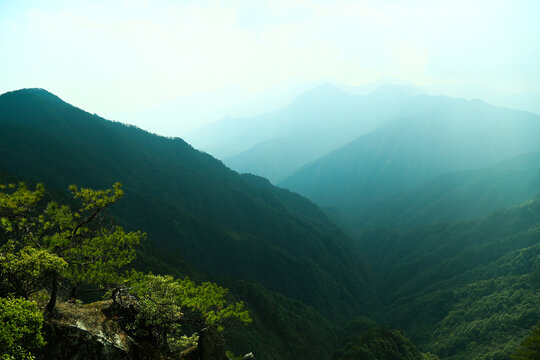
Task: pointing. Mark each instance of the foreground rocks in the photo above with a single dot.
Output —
(93, 332)
(84, 332)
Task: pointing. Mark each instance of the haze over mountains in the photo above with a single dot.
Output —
(434, 208)
(298, 180)
(416, 167)
(431, 136)
(357, 149)
(453, 196)
(275, 145)
(278, 144)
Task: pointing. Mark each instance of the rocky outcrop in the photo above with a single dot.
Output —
(94, 332)
(84, 332)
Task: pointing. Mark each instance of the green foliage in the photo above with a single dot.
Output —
(88, 252)
(184, 342)
(93, 201)
(76, 243)
(97, 259)
(462, 291)
(282, 328)
(163, 297)
(189, 203)
(20, 329)
(364, 339)
(529, 348)
(488, 319)
(40, 243)
(164, 304)
(25, 271)
(93, 249)
(379, 343)
(20, 219)
(194, 209)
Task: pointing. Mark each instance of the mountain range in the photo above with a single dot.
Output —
(193, 208)
(275, 145)
(431, 136)
(430, 221)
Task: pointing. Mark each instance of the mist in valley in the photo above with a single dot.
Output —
(332, 180)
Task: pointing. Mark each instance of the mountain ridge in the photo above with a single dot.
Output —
(455, 196)
(433, 135)
(273, 145)
(225, 224)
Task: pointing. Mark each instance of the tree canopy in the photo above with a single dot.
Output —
(529, 349)
(20, 329)
(163, 305)
(48, 246)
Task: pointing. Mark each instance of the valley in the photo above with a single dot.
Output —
(423, 226)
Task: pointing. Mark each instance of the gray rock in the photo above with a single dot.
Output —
(84, 332)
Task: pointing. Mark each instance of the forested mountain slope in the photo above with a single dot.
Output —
(467, 290)
(431, 136)
(323, 119)
(456, 196)
(191, 205)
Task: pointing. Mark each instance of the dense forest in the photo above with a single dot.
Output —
(445, 264)
(272, 247)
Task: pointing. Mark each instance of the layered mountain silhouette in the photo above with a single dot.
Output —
(277, 144)
(430, 136)
(440, 196)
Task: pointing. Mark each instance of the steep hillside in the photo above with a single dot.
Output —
(467, 290)
(364, 339)
(456, 196)
(321, 120)
(431, 136)
(191, 205)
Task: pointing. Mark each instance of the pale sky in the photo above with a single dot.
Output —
(170, 66)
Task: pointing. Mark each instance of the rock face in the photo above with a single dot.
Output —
(84, 332)
(93, 332)
(78, 343)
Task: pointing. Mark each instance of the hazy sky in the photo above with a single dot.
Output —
(168, 66)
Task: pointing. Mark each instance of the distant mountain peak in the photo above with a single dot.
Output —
(30, 91)
(39, 92)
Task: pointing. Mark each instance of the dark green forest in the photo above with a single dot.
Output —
(448, 268)
(468, 290)
(200, 217)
